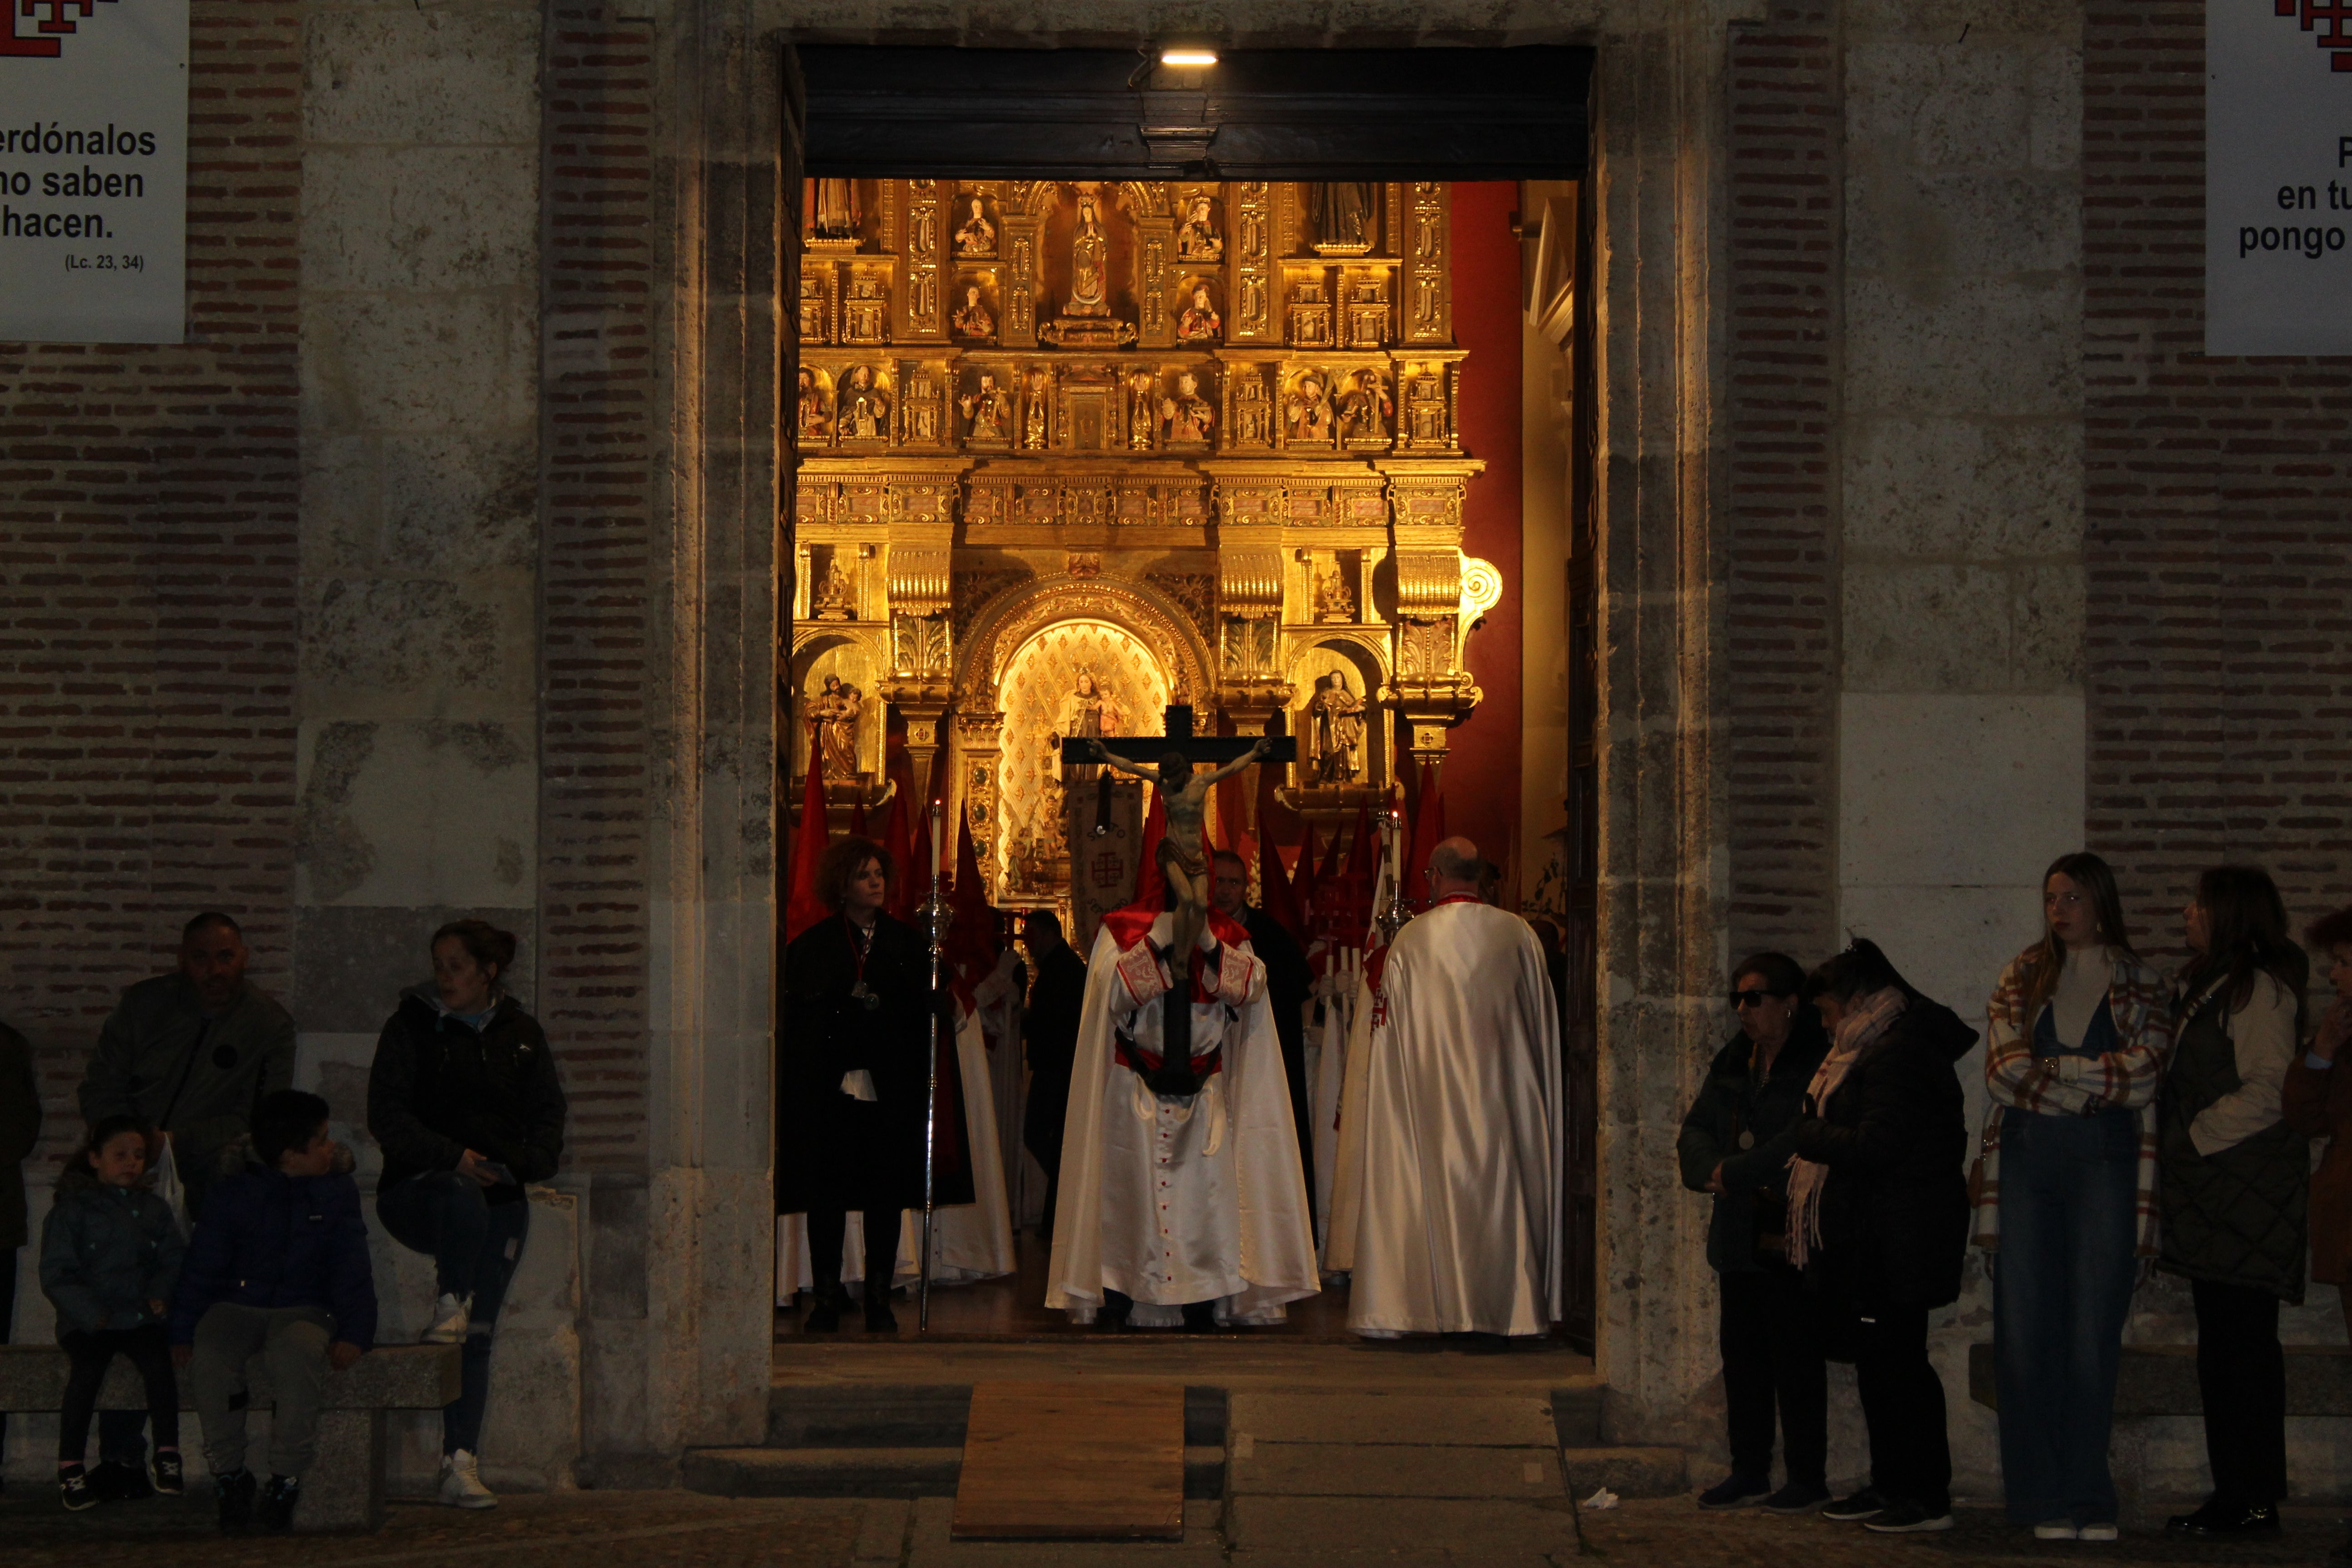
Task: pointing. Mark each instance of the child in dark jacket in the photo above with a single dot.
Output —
(278, 1266)
(109, 1259)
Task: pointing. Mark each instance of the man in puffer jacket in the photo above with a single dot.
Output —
(278, 1266)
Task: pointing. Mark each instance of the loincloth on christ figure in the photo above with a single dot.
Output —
(1171, 853)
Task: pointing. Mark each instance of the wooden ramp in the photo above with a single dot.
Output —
(1086, 1461)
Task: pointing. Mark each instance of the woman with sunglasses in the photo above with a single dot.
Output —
(1736, 1145)
(2078, 1029)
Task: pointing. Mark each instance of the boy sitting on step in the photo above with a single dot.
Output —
(278, 1266)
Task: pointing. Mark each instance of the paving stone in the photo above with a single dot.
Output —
(933, 1547)
(1628, 1472)
(1517, 1420)
(882, 1531)
(1357, 1524)
(1378, 1470)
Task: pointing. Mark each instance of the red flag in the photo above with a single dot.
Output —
(803, 907)
(1306, 883)
(1150, 887)
(969, 951)
(1330, 871)
(1362, 870)
(1428, 830)
(898, 843)
(920, 861)
(1275, 893)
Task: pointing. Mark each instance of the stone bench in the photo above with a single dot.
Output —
(2161, 1380)
(345, 1487)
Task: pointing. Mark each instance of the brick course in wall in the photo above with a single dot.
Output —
(148, 563)
(2219, 520)
(1784, 201)
(598, 429)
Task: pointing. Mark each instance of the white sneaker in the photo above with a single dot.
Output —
(2096, 1532)
(2057, 1530)
(449, 1318)
(461, 1482)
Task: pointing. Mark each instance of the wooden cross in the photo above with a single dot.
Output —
(1144, 750)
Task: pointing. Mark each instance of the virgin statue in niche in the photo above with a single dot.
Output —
(1089, 258)
(835, 711)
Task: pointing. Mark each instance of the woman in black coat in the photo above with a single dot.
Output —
(853, 1071)
(1879, 1217)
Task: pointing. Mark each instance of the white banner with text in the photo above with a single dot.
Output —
(93, 171)
(2278, 176)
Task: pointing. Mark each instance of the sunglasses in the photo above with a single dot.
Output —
(1751, 998)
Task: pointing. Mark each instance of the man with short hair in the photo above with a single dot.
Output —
(1049, 1031)
(191, 1054)
(1452, 1168)
(1287, 982)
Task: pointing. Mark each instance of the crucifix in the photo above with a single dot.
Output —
(1184, 795)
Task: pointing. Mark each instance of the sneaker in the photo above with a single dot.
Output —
(1864, 1504)
(2104, 1531)
(2218, 1521)
(74, 1489)
(461, 1482)
(1736, 1490)
(236, 1493)
(450, 1315)
(1909, 1518)
(1797, 1496)
(2056, 1529)
(165, 1471)
(273, 1510)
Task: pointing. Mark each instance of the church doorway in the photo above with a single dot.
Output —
(1249, 392)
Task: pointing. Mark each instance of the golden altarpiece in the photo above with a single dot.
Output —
(1072, 452)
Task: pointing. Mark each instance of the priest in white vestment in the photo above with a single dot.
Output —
(1179, 1201)
(1448, 1212)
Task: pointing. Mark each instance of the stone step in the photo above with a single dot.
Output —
(1575, 1415)
(870, 1471)
(1628, 1472)
(921, 1416)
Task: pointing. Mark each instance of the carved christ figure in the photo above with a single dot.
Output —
(1185, 797)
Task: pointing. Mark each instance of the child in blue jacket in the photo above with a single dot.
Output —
(109, 1259)
(278, 1266)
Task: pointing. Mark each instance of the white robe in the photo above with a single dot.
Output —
(1447, 1202)
(1169, 1201)
(969, 1241)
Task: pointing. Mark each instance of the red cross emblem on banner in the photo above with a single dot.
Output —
(65, 17)
(2332, 18)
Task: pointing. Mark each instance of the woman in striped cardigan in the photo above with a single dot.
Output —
(2078, 1033)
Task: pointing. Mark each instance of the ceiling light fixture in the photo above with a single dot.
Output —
(1187, 55)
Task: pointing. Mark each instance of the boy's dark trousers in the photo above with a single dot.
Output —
(88, 1354)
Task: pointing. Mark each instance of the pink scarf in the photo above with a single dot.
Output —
(1865, 1021)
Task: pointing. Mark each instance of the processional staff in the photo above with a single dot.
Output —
(934, 922)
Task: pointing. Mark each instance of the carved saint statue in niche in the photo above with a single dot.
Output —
(835, 710)
(862, 408)
(987, 413)
(1089, 258)
(1343, 214)
(1143, 400)
(1336, 717)
(837, 217)
(814, 423)
(1188, 418)
(1196, 237)
(1309, 413)
(1033, 409)
(1365, 408)
(1334, 600)
(833, 597)
(976, 236)
(972, 318)
(1200, 322)
(1087, 712)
